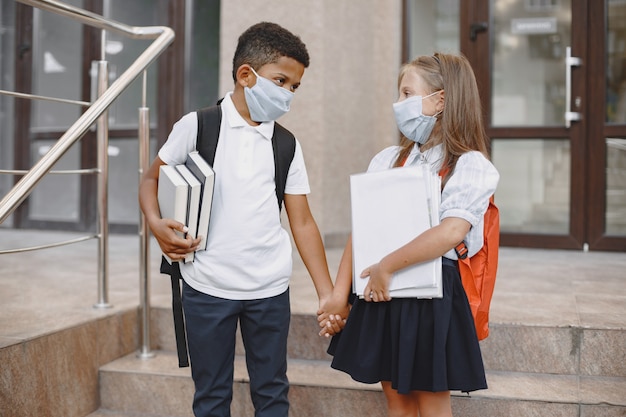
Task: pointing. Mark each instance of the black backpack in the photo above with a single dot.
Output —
(209, 121)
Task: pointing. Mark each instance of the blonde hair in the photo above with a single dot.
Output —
(459, 126)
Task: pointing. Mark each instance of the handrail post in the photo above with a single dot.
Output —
(144, 233)
(103, 193)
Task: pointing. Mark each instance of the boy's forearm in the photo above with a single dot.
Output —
(147, 199)
(148, 187)
(343, 283)
(311, 249)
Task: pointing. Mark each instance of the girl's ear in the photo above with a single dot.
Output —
(440, 101)
(245, 76)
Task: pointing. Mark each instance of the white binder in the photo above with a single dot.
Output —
(389, 209)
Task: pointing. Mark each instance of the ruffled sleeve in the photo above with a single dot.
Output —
(467, 192)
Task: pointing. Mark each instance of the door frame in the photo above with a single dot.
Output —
(600, 130)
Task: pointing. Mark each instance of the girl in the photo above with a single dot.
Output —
(420, 349)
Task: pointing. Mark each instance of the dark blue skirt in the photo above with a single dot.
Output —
(416, 344)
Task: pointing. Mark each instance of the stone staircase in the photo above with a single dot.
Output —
(532, 371)
(557, 345)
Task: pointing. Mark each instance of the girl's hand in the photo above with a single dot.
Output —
(377, 289)
(333, 325)
(332, 315)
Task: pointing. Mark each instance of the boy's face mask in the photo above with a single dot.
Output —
(266, 101)
(414, 124)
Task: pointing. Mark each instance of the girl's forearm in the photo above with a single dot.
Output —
(431, 244)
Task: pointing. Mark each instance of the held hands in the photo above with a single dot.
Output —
(172, 245)
(377, 289)
(333, 312)
(332, 315)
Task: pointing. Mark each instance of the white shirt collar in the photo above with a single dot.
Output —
(432, 157)
(266, 129)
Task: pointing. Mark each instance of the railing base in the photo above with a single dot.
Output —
(145, 355)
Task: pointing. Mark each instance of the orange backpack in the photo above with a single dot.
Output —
(478, 273)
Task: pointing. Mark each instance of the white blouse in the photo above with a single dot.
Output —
(465, 195)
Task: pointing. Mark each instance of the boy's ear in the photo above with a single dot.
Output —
(244, 75)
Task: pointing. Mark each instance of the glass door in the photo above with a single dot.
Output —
(532, 142)
(547, 102)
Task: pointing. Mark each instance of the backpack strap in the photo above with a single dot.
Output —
(284, 146)
(173, 270)
(209, 123)
(461, 249)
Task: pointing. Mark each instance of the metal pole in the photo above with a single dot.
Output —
(103, 194)
(144, 233)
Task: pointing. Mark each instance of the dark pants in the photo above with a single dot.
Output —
(211, 325)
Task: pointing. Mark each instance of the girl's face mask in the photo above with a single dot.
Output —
(414, 124)
(266, 101)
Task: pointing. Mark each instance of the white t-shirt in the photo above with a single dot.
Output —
(467, 192)
(248, 253)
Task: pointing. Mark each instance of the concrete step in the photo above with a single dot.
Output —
(513, 347)
(303, 342)
(157, 387)
(555, 350)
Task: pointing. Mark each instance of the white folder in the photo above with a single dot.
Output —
(389, 209)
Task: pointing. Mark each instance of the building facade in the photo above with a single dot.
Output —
(552, 76)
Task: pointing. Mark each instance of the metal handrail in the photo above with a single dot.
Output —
(59, 172)
(97, 112)
(163, 37)
(46, 98)
(50, 245)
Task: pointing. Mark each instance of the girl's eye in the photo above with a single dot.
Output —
(279, 81)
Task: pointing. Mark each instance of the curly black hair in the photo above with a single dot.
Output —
(266, 42)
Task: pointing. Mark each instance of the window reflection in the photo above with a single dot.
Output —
(56, 69)
(616, 187)
(528, 47)
(434, 26)
(56, 197)
(534, 189)
(616, 62)
(202, 56)
(7, 65)
(122, 51)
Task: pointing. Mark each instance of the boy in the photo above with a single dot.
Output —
(243, 275)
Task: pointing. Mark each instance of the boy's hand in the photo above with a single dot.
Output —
(171, 244)
(332, 325)
(332, 316)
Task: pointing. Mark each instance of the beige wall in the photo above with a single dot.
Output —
(342, 113)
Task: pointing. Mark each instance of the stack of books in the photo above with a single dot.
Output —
(185, 194)
(389, 209)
